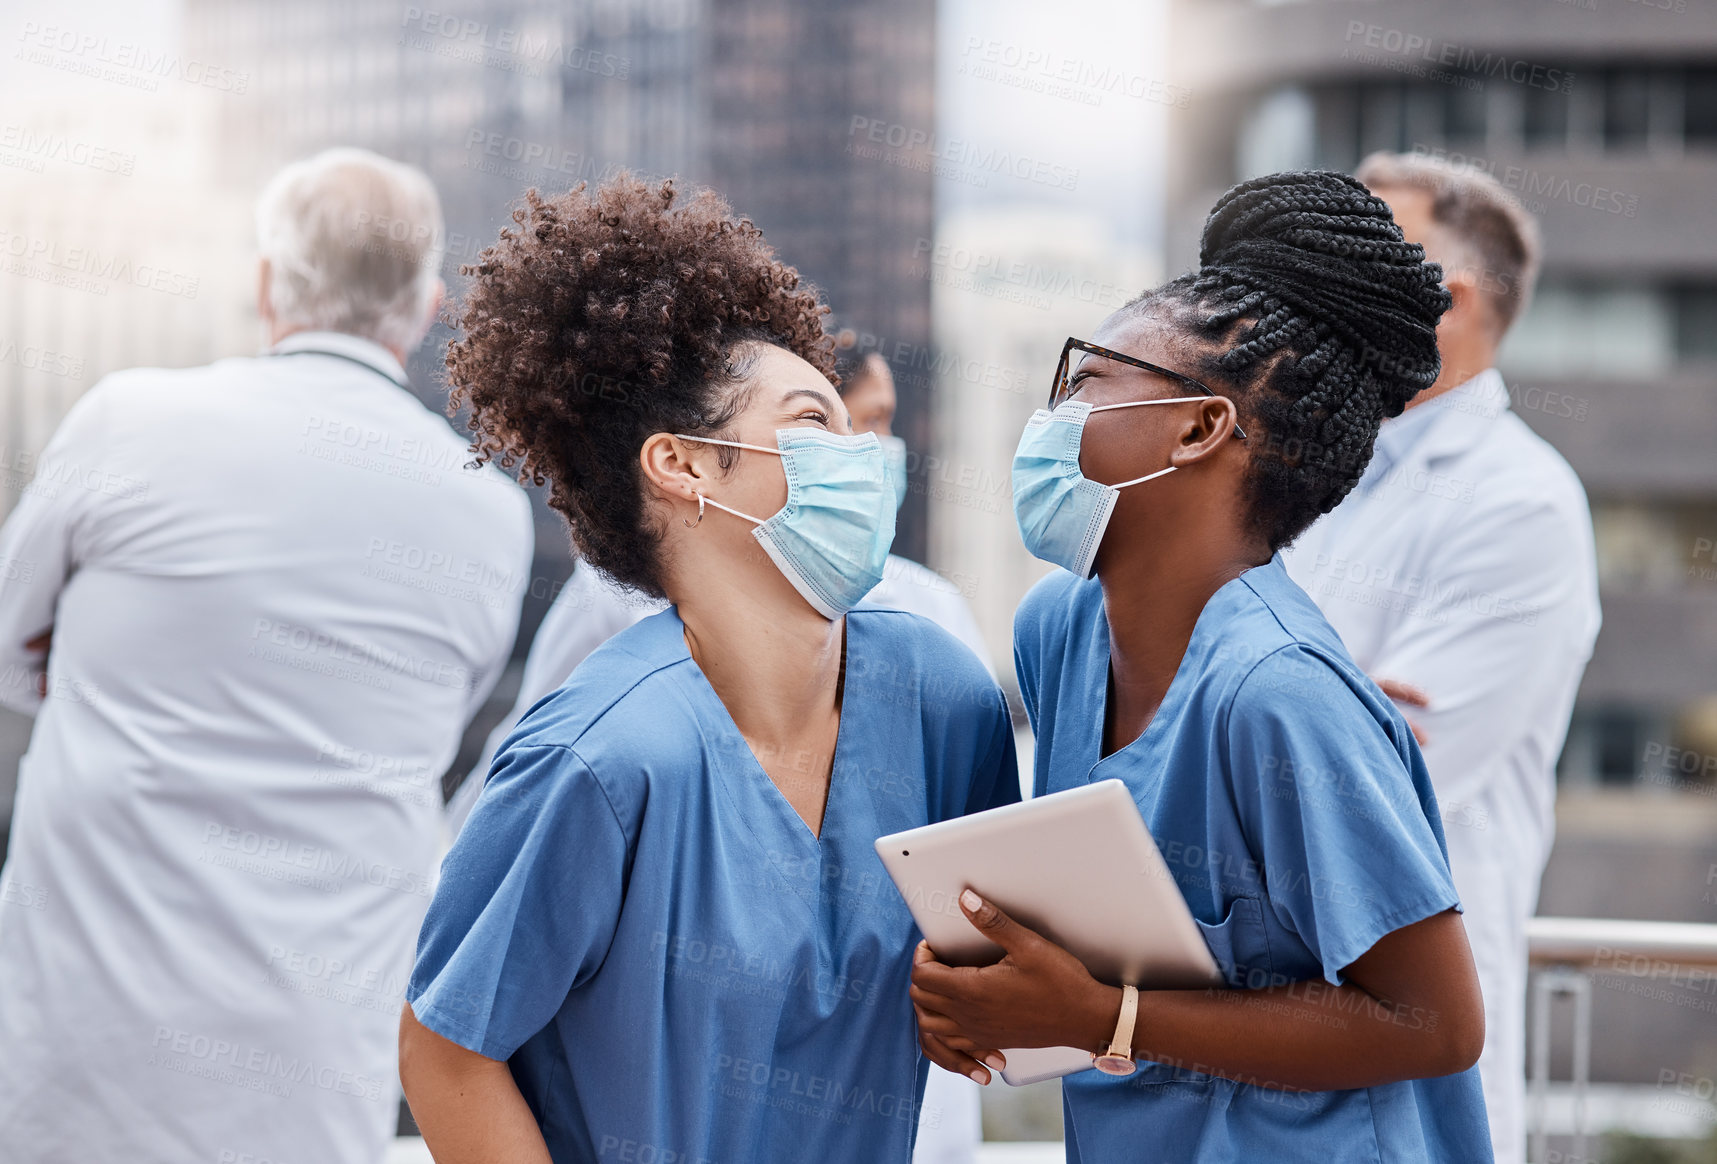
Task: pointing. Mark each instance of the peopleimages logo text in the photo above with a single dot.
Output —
(1458, 57)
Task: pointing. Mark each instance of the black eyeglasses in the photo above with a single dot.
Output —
(1060, 390)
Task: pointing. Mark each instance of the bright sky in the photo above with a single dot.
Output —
(1074, 85)
(151, 24)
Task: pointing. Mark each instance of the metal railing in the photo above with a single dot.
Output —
(1564, 952)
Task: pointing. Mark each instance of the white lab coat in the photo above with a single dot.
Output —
(276, 596)
(590, 608)
(1463, 564)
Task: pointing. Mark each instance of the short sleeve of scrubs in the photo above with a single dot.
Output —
(1339, 811)
(511, 929)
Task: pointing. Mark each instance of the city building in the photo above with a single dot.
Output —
(806, 102)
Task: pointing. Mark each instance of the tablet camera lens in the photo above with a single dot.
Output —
(906, 852)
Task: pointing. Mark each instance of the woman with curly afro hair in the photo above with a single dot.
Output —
(1173, 653)
(663, 934)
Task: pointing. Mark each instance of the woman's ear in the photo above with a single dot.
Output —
(1208, 428)
(672, 470)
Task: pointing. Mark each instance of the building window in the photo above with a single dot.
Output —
(1696, 323)
(1336, 113)
(1463, 120)
(1699, 112)
(1627, 109)
(1544, 124)
(1644, 549)
(1380, 119)
(1619, 735)
(1278, 135)
(1593, 329)
(1574, 329)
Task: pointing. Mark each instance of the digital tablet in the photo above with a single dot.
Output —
(1080, 868)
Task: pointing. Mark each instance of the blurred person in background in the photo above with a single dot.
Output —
(1460, 575)
(590, 608)
(249, 662)
(867, 388)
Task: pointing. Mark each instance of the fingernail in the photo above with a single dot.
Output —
(978, 1076)
(971, 900)
(995, 1061)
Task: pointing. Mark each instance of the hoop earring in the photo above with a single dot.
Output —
(699, 521)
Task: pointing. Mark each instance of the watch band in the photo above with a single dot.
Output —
(1118, 1059)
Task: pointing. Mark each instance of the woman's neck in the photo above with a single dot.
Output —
(776, 669)
(1152, 601)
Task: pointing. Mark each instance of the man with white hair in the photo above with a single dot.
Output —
(1460, 574)
(255, 605)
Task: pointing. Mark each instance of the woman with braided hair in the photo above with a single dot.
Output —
(1173, 653)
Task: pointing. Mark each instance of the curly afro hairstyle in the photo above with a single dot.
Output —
(604, 316)
(1322, 319)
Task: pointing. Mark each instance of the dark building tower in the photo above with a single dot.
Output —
(794, 87)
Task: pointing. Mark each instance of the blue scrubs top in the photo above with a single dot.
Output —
(674, 967)
(1290, 802)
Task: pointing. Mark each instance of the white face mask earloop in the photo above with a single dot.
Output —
(702, 499)
(1141, 404)
(1146, 477)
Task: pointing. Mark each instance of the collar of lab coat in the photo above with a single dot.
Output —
(1445, 427)
(350, 347)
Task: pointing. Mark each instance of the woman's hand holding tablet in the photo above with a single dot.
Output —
(966, 1012)
(1067, 891)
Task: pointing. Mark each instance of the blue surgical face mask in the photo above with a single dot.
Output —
(832, 537)
(894, 452)
(1061, 512)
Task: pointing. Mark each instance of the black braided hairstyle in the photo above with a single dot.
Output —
(1322, 319)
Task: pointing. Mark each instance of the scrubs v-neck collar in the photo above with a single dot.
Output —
(747, 781)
